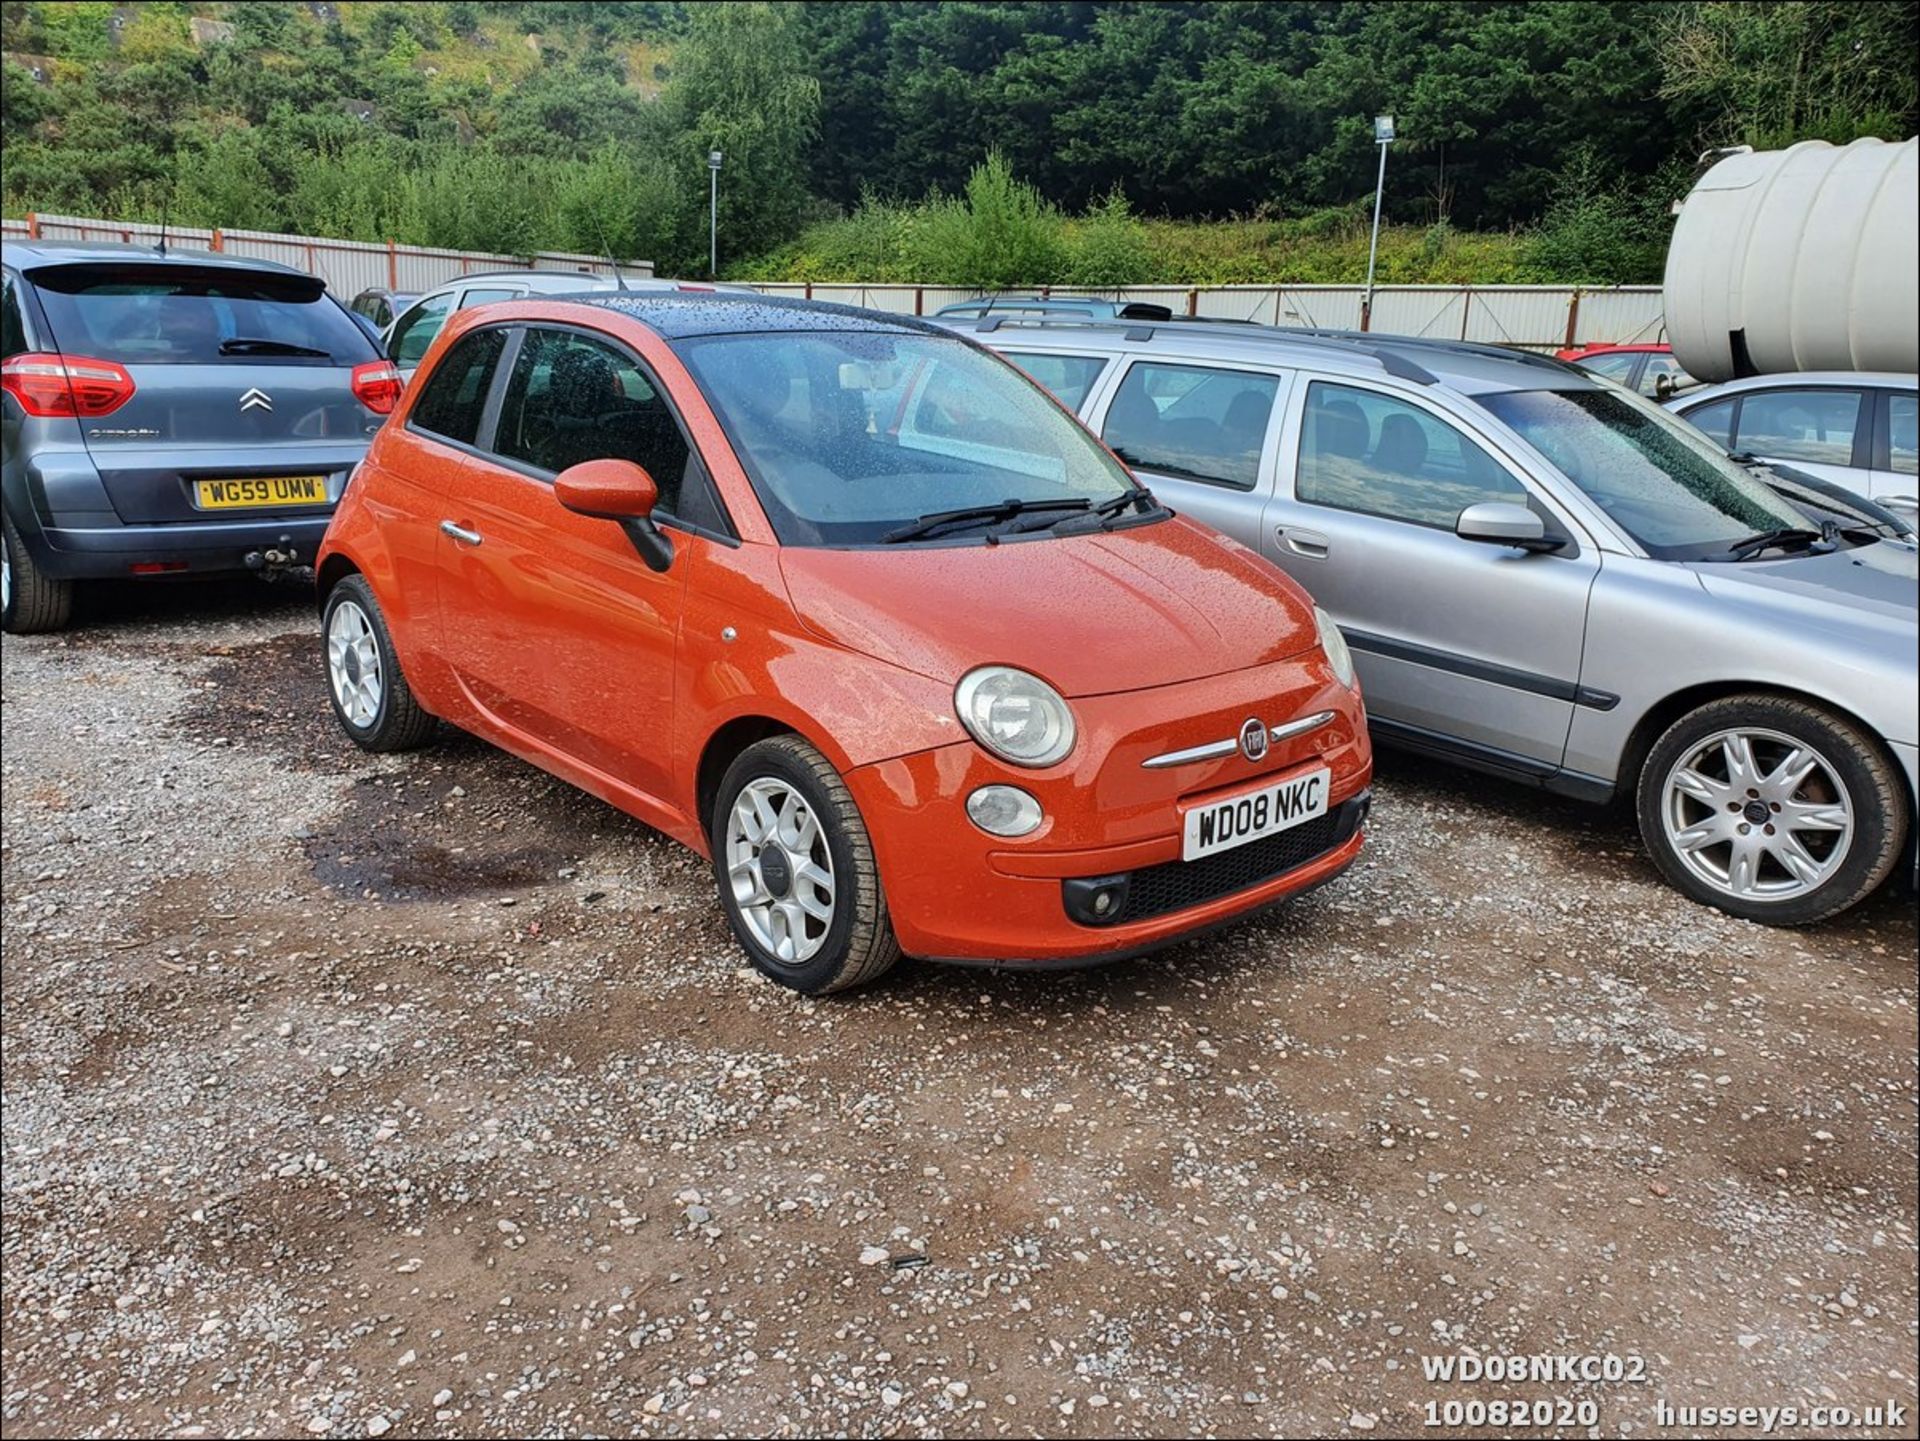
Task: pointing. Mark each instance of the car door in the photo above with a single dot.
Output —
(1472, 646)
(560, 634)
(1825, 430)
(1198, 434)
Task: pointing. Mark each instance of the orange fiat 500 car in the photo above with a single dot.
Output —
(851, 606)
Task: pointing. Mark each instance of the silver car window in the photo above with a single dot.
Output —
(1367, 452)
(1191, 421)
(1070, 377)
(1903, 434)
(415, 330)
(1811, 425)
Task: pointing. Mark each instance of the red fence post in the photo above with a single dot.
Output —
(393, 265)
(33, 226)
(1193, 300)
(919, 300)
(218, 242)
(1573, 317)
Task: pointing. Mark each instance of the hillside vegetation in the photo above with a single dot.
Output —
(973, 142)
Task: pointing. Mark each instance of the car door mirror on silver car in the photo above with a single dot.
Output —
(1499, 522)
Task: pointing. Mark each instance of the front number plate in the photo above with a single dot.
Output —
(261, 492)
(1222, 825)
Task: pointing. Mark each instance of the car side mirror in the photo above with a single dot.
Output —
(1498, 522)
(620, 491)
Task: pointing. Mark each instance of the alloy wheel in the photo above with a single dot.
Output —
(353, 664)
(780, 869)
(1757, 814)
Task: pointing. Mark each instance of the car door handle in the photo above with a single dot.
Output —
(460, 533)
(1309, 543)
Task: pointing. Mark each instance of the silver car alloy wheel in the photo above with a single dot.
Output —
(6, 574)
(353, 664)
(1758, 814)
(780, 869)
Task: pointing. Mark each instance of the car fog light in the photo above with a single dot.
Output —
(1004, 811)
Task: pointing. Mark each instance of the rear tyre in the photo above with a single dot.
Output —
(31, 601)
(370, 695)
(1775, 810)
(795, 869)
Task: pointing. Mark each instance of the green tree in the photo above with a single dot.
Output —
(1772, 73)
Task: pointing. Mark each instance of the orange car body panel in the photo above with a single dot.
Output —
(556, 643)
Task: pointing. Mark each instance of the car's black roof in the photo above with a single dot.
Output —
(682, 315)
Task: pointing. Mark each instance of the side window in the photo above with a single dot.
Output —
(1614, 365)
(1662, 368)
(1069, 377)
(1903, 433)
(456, 392)
(1193, 422)
(416, 330)
(572, 398)
(1714, 421)
(472, 298)
(1363, 451)
(13, 327)
(1812, 425)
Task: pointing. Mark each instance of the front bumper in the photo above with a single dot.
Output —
(956, 893)
(199, 547)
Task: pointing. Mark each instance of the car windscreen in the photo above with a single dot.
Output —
(848, 436)
(181, 315)
(1662, 482)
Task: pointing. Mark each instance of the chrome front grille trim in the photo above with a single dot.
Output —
(1215, 750)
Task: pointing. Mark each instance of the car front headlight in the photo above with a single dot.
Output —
(1017, 716)
(1335, 645)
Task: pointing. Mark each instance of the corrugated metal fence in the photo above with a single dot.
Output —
(1538, 317)
(348, 266)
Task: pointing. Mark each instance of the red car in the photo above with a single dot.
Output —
(1649, 369)
(916, 682)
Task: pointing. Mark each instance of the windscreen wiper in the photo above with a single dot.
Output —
(1104, 515)
(1776, 539)
(254, 345)
(927, 525)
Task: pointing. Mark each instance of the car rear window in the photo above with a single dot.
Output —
(177, 315)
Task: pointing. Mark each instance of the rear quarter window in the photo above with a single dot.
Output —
(177, 315)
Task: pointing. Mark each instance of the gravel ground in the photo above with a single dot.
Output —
(423, 1095)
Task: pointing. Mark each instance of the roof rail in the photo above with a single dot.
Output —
(1442, 343)
(1390, 360)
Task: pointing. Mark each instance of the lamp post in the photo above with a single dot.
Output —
(713, 214)
(1383, 137)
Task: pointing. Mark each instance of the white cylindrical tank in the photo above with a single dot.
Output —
(1806, 258)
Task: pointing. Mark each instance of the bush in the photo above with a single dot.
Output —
(1109, 246)
(998, 235)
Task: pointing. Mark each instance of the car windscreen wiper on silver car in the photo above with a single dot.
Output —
(256, 345)
(929, 524)
(1787, 537)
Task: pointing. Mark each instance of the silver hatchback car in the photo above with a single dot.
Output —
(1545, 576)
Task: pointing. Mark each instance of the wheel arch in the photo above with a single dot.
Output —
(1654, 722)
(722, 748)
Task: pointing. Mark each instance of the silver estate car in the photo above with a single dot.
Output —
(1542, 575)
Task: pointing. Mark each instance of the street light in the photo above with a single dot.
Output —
(1383, 137)
(713, 215)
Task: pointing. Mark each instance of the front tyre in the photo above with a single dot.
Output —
(796, 871)
(371, 697)
(1775, 810)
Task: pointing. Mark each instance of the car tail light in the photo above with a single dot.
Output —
(46, 384)
(377, 385)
